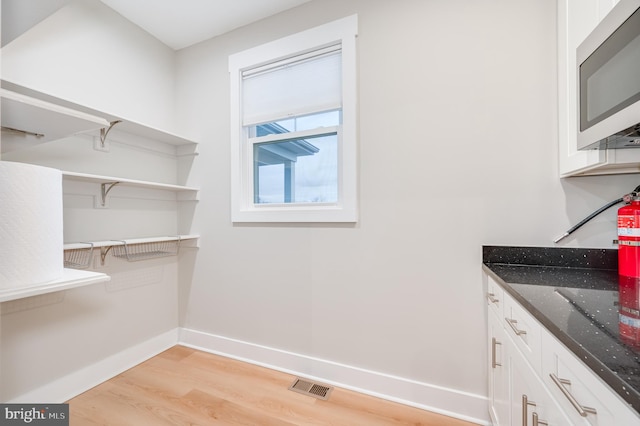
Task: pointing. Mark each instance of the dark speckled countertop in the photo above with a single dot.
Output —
(575, 294)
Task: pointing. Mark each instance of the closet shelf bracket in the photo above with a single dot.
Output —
(103, 253)
(105, 131)
(104, 190)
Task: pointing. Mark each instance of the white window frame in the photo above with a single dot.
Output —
(243, 208)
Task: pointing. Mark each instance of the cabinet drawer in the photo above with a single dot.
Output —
(524, 330)
(495, 297)
(580, 393)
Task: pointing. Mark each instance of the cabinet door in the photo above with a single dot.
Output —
(499, 402)
(531, 402)
(576, 19)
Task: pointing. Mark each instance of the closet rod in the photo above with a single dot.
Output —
(22, 132)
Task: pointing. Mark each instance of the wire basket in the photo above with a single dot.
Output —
(79, 258)
(144, 251)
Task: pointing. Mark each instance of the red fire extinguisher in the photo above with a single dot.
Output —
(629, 238)
(629, 270)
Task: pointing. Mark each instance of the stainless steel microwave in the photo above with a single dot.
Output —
(609, 81)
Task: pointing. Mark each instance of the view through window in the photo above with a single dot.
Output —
(298, 170)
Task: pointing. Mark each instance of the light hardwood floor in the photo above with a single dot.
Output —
(183, 386)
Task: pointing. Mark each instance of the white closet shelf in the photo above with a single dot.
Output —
(28, 121)
(108, 243)
(148, 132)
(85, 177)
(71, 278)
(125, 125)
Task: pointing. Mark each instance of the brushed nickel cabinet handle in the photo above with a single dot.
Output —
(515, 329)
(525, 405)
(537, 421)
(492, 298)
(494, 343)
(581, 409)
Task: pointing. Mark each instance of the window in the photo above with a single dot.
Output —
(293, 127)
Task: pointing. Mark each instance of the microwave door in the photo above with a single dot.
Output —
(609, 82)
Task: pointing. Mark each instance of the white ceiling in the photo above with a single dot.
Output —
(181, 23)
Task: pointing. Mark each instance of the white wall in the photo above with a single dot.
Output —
(24, 15)
(457, 149)
(88, 54)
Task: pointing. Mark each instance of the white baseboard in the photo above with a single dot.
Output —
(66, 387)
(450, 402)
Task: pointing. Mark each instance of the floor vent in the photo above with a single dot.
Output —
(308, 388)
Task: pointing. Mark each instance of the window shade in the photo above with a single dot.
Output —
(291, 87)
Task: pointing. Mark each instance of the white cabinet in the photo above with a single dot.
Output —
(576, 19)
(516, 394)
(534, 379)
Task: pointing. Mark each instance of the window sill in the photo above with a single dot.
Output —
(290, 214)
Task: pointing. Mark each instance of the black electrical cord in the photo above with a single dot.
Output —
(594, 214)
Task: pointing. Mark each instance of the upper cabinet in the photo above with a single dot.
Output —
(576, 19)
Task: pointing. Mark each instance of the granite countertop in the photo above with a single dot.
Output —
(575, 294)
